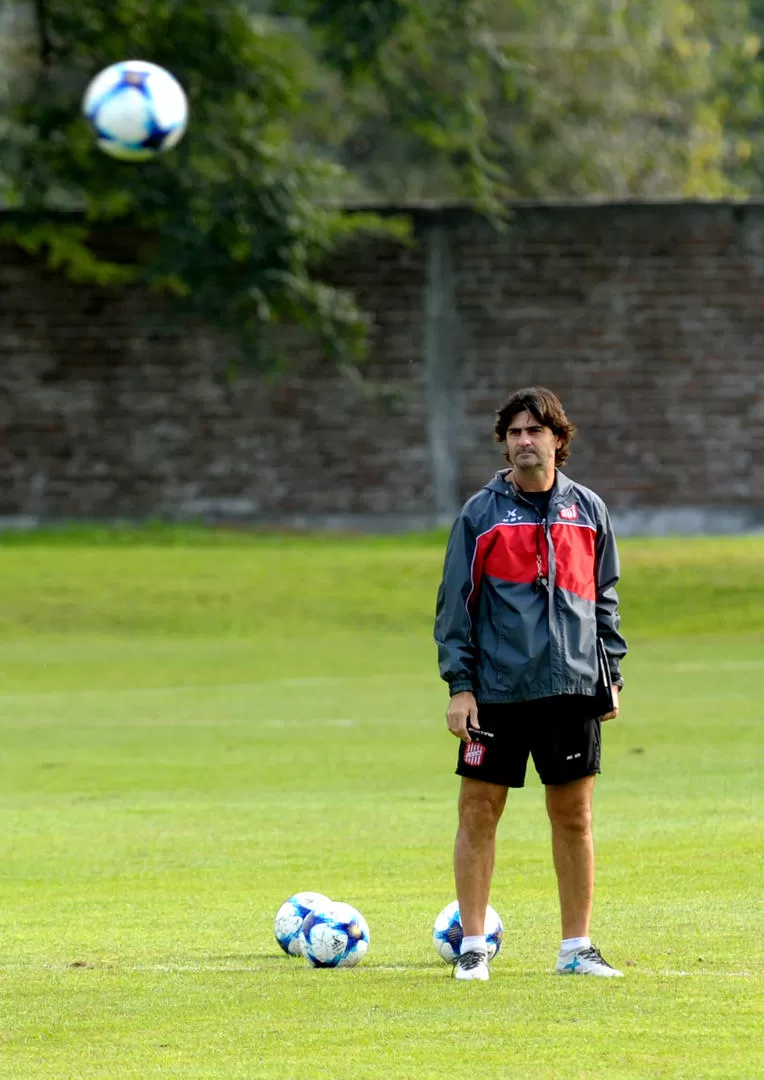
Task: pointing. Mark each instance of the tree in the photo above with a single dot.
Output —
(630, 100)
(301, 107)
(236, 219)
(574, 98)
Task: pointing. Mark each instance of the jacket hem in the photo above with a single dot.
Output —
(507, 698)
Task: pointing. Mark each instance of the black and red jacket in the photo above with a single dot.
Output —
(523, 599)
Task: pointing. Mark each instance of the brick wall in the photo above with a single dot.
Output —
(648, 320)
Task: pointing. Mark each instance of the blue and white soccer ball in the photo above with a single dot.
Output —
(136, 109)
(290, 917)
(447, 933)
(334, 936)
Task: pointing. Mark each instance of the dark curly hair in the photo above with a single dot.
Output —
(546, 407)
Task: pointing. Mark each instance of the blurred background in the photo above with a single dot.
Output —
(384, 218)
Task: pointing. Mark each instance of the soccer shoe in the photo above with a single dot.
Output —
(472, 965)
(586, 962)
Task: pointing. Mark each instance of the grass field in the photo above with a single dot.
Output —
(197, 724)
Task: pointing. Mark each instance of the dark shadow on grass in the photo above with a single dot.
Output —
(393, 965)
(266, 959)
(250, 958)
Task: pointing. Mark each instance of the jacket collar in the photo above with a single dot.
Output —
(503, 484)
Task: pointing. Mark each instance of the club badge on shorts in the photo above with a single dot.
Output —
(474, 753)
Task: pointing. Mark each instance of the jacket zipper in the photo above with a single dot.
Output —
(545, 582)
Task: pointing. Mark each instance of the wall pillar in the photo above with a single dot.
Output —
(441, 354)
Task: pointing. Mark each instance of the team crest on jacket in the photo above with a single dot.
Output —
(569, 513)
(474, 753)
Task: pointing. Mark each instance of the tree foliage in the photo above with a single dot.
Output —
(573, 98)
(301, 107)
(629, 100)
(245, 209)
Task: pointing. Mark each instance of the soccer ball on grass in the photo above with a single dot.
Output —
(136, 110)
(447, 933)
(290, 917)
(334, 936)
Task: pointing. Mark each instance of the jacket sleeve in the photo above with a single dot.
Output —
(453, 626)
(608, 616)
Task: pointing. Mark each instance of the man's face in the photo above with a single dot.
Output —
(530, 445)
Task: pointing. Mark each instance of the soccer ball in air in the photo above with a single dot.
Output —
(136, 109)
(290, 917)
(334, 936)
(447, 932)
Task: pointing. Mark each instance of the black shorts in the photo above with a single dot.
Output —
(559, 733)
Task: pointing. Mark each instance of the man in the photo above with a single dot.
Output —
(528, 587)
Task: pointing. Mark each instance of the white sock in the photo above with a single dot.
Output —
(573, 944)
(473, 944)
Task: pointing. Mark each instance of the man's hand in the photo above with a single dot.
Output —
(612, 715)
(462, 710)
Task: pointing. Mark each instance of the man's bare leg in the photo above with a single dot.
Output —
(570, 814)
(480, 809)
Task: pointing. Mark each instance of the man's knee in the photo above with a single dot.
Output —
(574, 821)
(480, 806)
(570, 807)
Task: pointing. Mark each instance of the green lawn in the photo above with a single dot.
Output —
(197, 724)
